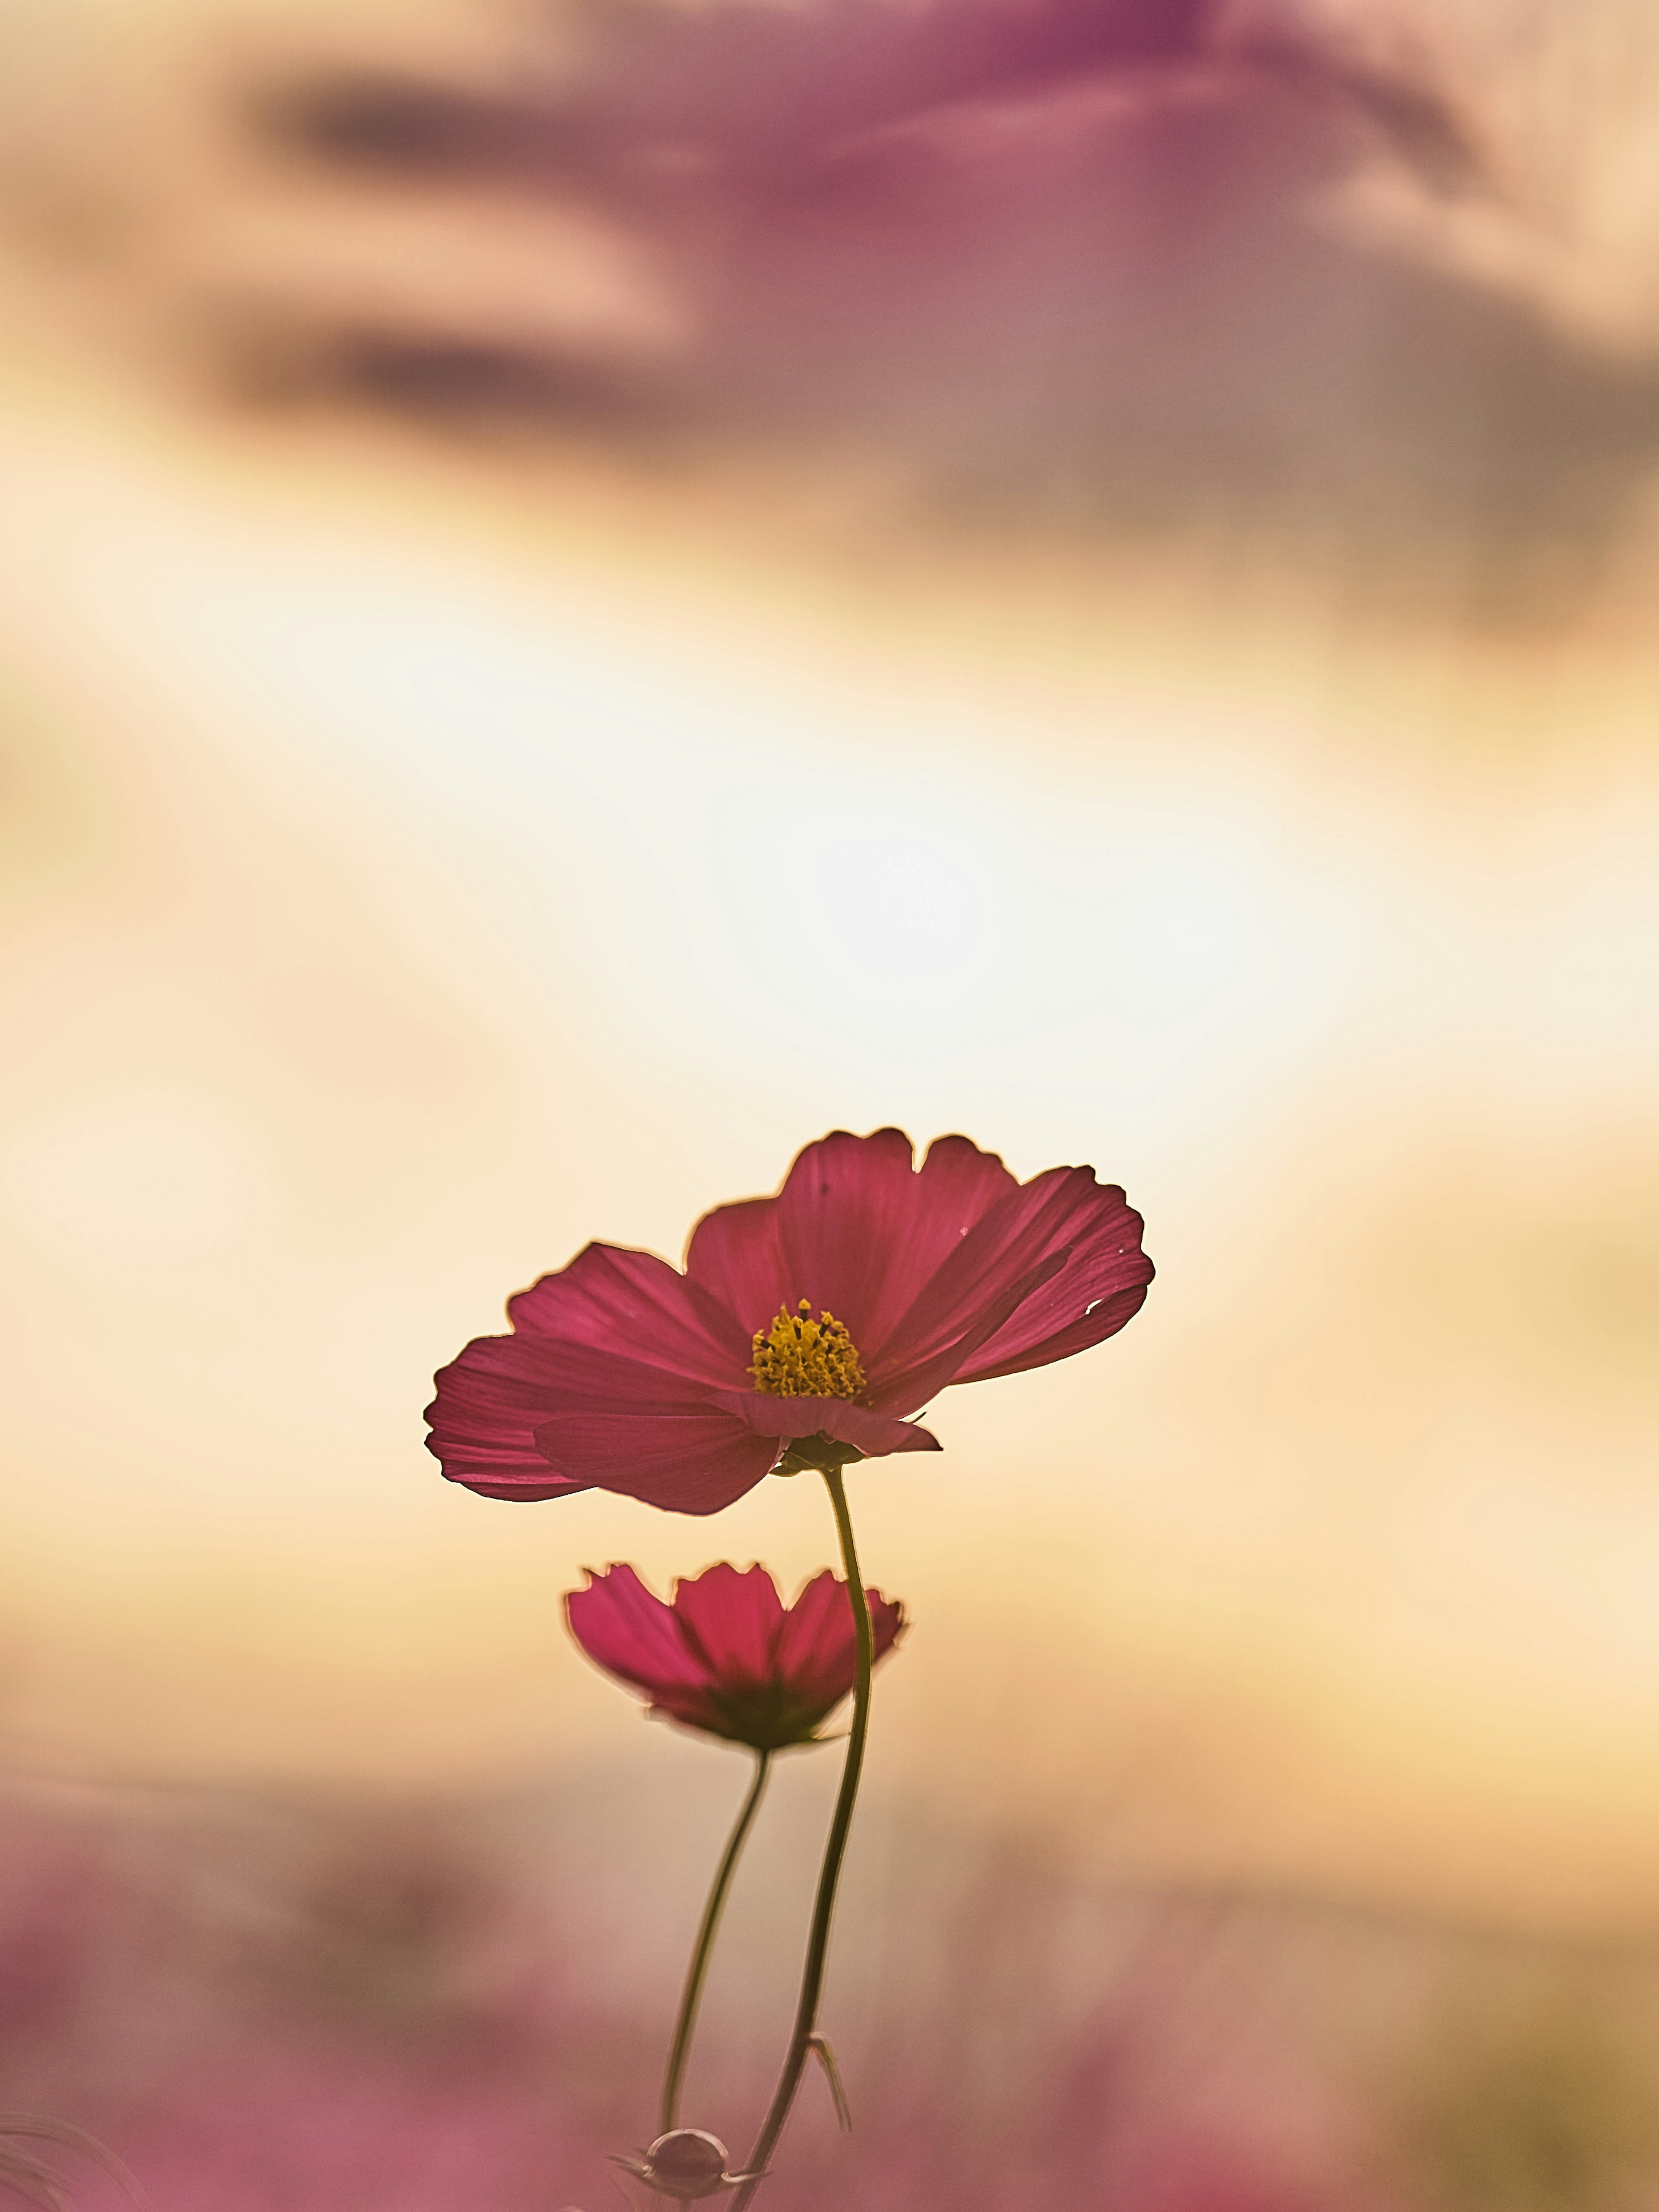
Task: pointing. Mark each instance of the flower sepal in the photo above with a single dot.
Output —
(816, 1455)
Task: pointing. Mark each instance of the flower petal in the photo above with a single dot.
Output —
(1102, 1285)
(735, 1255)
(872, 1434)
(854, 1229)
(694, 1461)
(494, 1396)
(635, 1305)
(862, 1232)
(1025, 1247)
(625, 1628)
(730, 1620)
(480, 1429)
(957, 1185)
(844, 1214)
(515, 1492)
(816, 1649)
(914, 1384)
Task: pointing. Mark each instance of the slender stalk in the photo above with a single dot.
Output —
(834, 1850)
(697, 1972)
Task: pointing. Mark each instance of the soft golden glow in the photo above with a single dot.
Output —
(800, 1358)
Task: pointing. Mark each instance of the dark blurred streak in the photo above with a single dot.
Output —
(266, 359)
(446, 377)
(410, 127)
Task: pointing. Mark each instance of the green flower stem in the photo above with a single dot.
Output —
(834, 1850)
(697, 1972)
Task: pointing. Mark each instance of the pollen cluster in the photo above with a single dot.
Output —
(800, 1358)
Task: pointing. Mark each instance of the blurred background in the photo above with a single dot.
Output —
(591, 590)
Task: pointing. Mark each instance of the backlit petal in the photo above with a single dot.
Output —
(501, 1389)
(481, 1424)
(816, 1647)
(913, 1384)
(1028, 1244)
(957, 1185)
(1102, 1285)
(637, 1306)
(843, 1215)
(629, 1631)
(730, 1619)
(693, 1462)
(493, 1480)
(736, 1256)
(855, 1229)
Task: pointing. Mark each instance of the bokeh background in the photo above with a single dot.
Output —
(592, 591)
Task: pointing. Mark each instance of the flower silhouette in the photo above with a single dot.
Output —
(803, 1329)
(726, 1656)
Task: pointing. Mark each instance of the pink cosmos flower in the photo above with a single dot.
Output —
(726, 1656)
(802, 1330)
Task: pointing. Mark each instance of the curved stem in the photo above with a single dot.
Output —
(834, 1850)
(697, 1972)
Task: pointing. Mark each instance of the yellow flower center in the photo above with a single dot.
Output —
(800, 1358)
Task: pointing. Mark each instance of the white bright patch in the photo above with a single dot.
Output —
(722, 874)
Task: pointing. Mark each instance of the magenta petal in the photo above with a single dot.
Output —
(525, 1492)
(494, 1397)
(855, 1229)
(735, 1255)
(818, 1647)
(843, 1215)
(914, 1384)
(818, 1628)
(632, 1633)
(1053, 1217)
(1102, 1318)
(514, 1379)
(489, 1452)
(886, 1620)
(955, 1187)
(636, 1306)
(730, 1619)
(864, 1234)
(1102, 1285)
(684, 1462)
(872, 1434)
(481, 1430)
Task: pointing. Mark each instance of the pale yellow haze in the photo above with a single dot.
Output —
(418, 867)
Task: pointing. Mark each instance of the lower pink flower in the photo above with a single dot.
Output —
(726, 1656)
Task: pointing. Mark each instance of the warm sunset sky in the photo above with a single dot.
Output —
(515, 722)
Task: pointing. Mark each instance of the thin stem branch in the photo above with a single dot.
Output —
(834, 1850)
(697, 1972)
